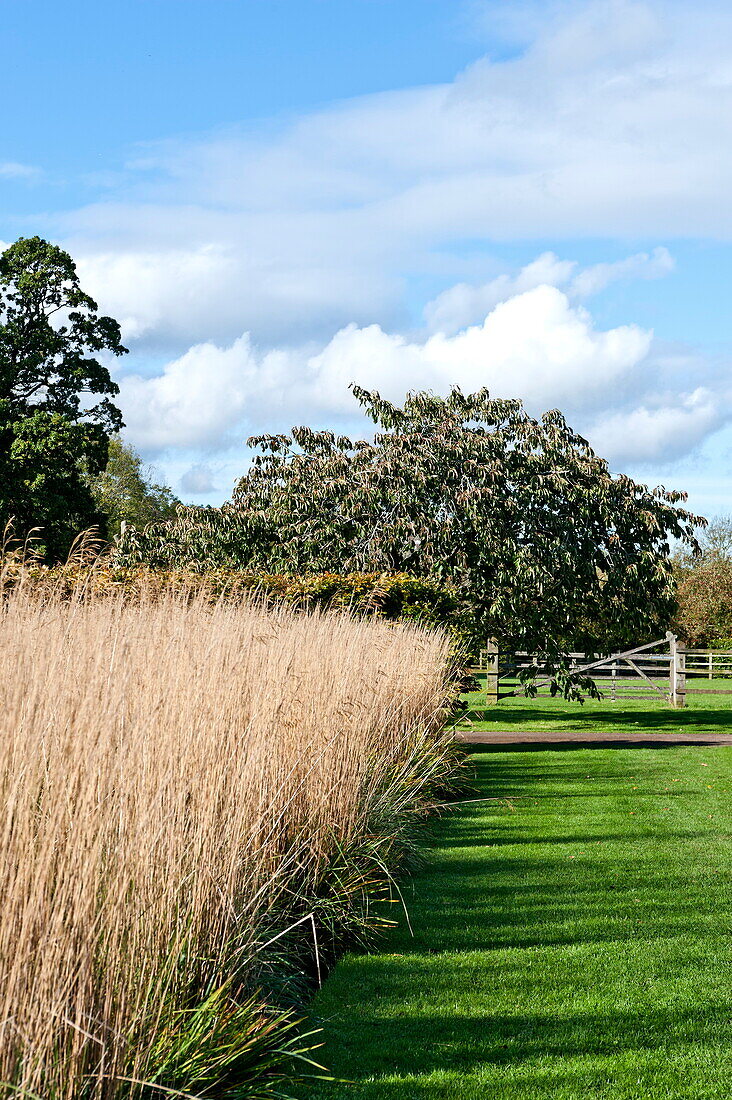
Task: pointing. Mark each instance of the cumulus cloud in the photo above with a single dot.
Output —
(154, 293)
(591, 280)
(169, 297)
(536, 345)
(607, 120)
(539, 345)
(661, 433)
(196, 400)
(464, 304)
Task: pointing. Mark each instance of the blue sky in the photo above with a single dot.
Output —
(277, 198)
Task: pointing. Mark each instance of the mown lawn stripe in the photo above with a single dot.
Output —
(573, 940)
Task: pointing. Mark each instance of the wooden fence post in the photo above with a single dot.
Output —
(677, 672)
(491, 672)
(681, 674)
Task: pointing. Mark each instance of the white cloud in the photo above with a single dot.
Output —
(536, 345)
(610, 120)
(465, 304)
(195, 401)
(626, 396)
(591, 280)
(202, 398)
(11, 169)
(168, 297)
(615, 121)
(160, 292)
(198, 480)
(661, 433)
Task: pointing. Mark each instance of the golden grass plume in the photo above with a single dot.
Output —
(176, 775)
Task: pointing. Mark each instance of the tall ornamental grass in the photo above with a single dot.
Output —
(198, 802)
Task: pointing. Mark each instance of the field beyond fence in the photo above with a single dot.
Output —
(200, 804)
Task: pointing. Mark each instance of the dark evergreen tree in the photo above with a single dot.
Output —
(56, 415)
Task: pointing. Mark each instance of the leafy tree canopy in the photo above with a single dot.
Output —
(704, 615)
(55, 407)
(547, 548)
(714, 541)
(125, 490)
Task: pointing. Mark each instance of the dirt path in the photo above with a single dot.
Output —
(588, 739)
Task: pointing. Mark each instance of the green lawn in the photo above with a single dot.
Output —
(572, 939)
(706, 713)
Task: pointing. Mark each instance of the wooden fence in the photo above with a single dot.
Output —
(709, 663)
(660, 668)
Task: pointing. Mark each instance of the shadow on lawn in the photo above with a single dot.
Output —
(664, 717)
(590, 884)
(467, 905)
(535, 777)
(562, 911)
(639, 742)
(459, 1044)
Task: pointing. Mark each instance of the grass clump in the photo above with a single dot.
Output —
(200, 801)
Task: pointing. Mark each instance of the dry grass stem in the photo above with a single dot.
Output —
(171, 771)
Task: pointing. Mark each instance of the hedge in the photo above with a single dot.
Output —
(389, 595)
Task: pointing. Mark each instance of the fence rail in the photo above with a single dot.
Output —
(633, 674)
(708, 663)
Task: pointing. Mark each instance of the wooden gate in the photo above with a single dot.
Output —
(651, 670)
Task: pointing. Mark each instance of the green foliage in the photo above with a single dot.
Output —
(395, 596)
(125, 490)
(201, 539)
(51, 427)
(544, 547)
(704, 592)
(564, 682)
(233, 1050)
(704, 615)
(40, 479)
